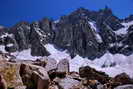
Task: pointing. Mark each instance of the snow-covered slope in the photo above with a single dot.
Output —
(56, 54)
(24, 55)
(109, 60)
(108, 63)
(113, 64)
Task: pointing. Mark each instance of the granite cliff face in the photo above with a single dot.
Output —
(83, 32)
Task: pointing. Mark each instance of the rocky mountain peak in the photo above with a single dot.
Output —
(83, 32)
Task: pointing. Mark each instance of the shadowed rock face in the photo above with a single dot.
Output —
(73, 32)
(78, 38)
(21, 31)
(38, 39)
(24, 36)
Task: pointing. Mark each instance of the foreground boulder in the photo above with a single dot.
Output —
(63, 66)
(60, 70)
(120, 79)
(53, 87)
(34, 77)
(3, 84)
(51, 64)
(123, 78)
(10, 73)
(66, 83)
(91, 74)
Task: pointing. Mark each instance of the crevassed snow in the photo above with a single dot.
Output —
(24, 55)
(124, 29)
(93, 26)
(56, 54)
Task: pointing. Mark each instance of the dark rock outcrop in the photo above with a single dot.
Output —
(34, 77)
(21, 32)
(77, 37)
(91, 74)
(38, 40)
(123, 79)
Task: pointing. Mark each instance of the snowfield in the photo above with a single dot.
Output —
(56, 54)
(24, 55)
(109, 63)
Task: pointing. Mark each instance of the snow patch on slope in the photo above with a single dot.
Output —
(56, 54)
(24, 55)
(9, 45)
(2, 49)
(124, 29)
(76, 63)
(56, 21)
(6, 35)
(93, 26)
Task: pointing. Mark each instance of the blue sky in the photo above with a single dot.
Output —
(13, 11)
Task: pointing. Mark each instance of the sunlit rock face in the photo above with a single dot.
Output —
(10, 73)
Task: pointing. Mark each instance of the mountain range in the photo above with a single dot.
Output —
(87, 33)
